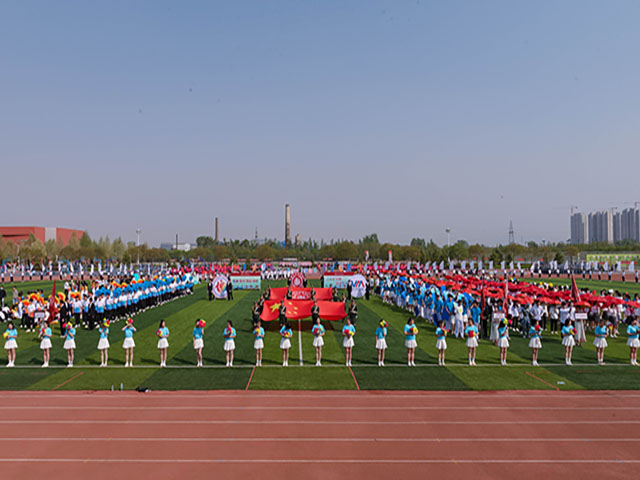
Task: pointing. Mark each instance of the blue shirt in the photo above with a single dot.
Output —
(632, 331)
(503, 331)
(409, 335)
(381, 332)
(348, 328)
(12, 334)
(286, 331)
(601, 332)
(318, 330)
(104, 332)
(533, 333)
(197, 333)
(128, 332)
(475, 314)
(71, 333)
(47, 333)
(566, 331)
(258, 332)
(440, 333)
(469, 329)
(229, 332)
(164, 332)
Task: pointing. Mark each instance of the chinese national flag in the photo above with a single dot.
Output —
(278, 293)
(270, 310)
(323, 293)
(331, 310)
(298, 309)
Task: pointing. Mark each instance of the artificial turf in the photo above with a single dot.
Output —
(180, 315)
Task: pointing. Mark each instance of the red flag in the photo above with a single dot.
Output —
(331, 310)
(575, 295)
(278, 293)
(270, 310)
(505, 302)
(323, 293)
(295, 309)
(301, 293)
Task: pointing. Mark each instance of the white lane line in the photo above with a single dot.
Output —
(316, 440)
(240, 408)
(321, 422)
(605, 461)
(300, 341)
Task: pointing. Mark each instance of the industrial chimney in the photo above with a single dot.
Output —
(216, 231)
(287, 224)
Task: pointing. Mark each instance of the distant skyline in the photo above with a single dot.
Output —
(389, 117)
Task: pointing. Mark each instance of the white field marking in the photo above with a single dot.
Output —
(300, 341)
(241, 408)
(322, 422)
(359, 365)
(416, 461)
(315, 440)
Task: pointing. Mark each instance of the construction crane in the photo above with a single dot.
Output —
(571, 207)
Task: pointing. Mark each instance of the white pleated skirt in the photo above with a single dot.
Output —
(318, 341)
(472, 342)
(163, 343)
(198, 343)
(10, 344)
(599, 342)
(535, 343)
(381, 344)
(69, 344)
(410, 343)
(285, 343)
(258, 344)
(568, 341)
(103, 344)
(633, 342)
(45, 343)
(348, 342)
(229, 345)
(441, 344)
(128, 343)
(503, 342)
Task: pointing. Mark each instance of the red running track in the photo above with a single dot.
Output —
(324, 435)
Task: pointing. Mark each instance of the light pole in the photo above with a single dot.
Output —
(138, 232)
(448, 230)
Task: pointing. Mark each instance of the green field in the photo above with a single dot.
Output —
(181, 373)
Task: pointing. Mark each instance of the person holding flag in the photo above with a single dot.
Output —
(318, 342)
(229, 335)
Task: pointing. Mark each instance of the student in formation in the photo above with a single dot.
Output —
(285, 342)
(535, 342)
(318, 340)
(70, 343)
(381, 341)
(410, 342)
(163, 342)
(229, 335)
(258, 343)
(11, 344)
(600, 340)
(45, 343)
(503, 340)
(348, 332)
(633, 342)
(471, 331)
(103, 343)
(198, 340)
(128, 344)
(441, 342)
(568, 340)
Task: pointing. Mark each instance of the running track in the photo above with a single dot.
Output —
(324, 435)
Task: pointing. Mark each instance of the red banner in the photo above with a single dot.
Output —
(278, 293)
(300, 293)
(331, 310)
(295, 309)
(323, 293)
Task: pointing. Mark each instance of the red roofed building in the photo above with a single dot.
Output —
(21, 234)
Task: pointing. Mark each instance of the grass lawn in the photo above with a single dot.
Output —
(181, 373)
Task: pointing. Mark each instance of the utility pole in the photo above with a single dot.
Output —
(138, 232)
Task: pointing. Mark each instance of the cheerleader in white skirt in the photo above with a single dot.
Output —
(472, 342)
(600, 341)
(258, 343)
(285, 342)
(198, 340)
(70, 343)
(410, 342)
(128, 344)
(535, 344)
(633, 342)
(381, 341)
(568, 340)
(318, 342)
(348, 332)
(163, 342)
(229, 342)
(441, 342)
(103, 343)
(45, 343)
(503, 340)
(11, 344)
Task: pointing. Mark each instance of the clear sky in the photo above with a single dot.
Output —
(401, 118)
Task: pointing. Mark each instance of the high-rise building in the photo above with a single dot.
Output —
(287, 224)
(617, 227)
(601, 226)
(579, 229)
(630, 224)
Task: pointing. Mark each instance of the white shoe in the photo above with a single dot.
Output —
(230, 364)
(409, 364)
(382, 364)
(45, 365)
(70, 365)
(10, 364)
(284, 364)
(413, 364)
(319, 364)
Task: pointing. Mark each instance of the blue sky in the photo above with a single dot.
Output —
(401, 118)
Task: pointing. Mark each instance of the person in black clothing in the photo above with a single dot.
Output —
(210, 289)
(229, 290)
(282, 314)
(3, 295)
(255, 313)
(367, 292)
(315, 312)
(353, 313)
(485, 318)
(349, 287)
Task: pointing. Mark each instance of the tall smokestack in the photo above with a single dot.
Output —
(287, 224)
(216, 230)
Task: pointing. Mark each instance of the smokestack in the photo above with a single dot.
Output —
(287, 224)
(216, 231)
(176, 241)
